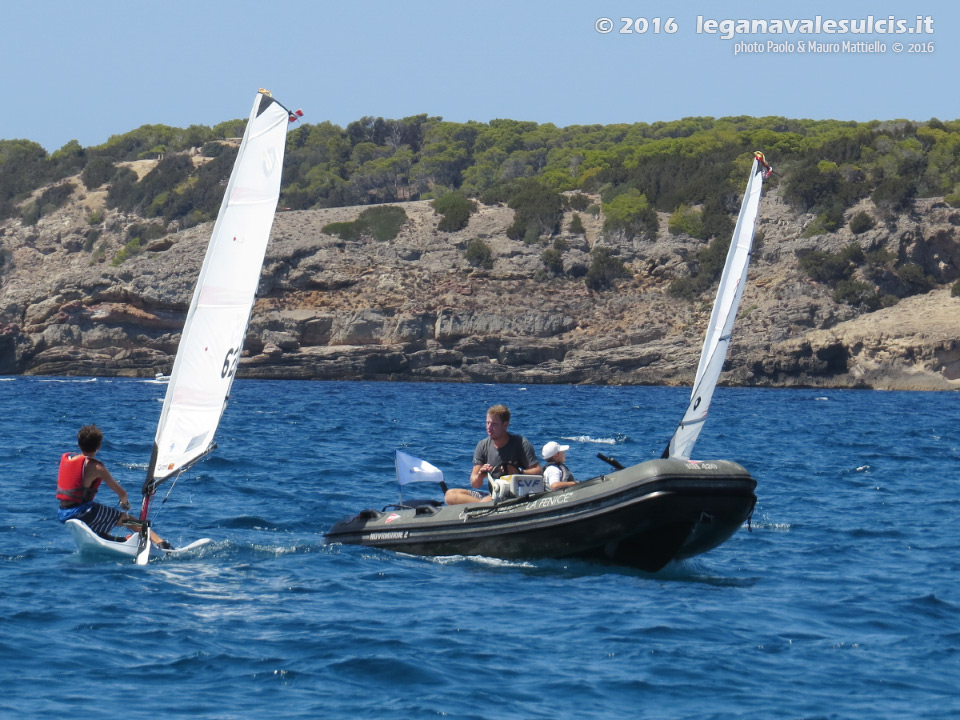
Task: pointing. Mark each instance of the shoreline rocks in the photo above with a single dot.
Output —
(415, 309)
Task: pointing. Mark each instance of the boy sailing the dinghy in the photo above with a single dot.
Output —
(78, 480)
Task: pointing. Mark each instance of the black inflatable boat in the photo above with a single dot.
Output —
(642, 516)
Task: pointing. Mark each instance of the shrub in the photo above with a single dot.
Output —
(605, 267)
(955, 290)
(578, 201)
(129, 250)
(686, 220)
(455, 209)
(536, 207)
(826, 222)
(832, 268)
(552, 261)
(812, 185)
(685, 287)
(49, 201)
(576, 225)
(123, 192)
(853, 253)
(630, 213)
(97, 172)
(759, 238)
(478, 254)
(164, 191)
(174, 189)
(212, 149)
(497, 194)
(197, 198)
(343, 230)
(381, 223)
(715, 219)
(90, 238)
(914, 280)
(856, 293)
(861, 222)
(145, 232)
(30, 214)
(879, 258)
(815, 264)
(894, 193)
(99, 252)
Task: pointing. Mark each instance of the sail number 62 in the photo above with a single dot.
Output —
(230, 363)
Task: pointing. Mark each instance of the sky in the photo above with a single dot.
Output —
(88, 70)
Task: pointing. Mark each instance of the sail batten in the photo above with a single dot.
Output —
(216, 324)
(719, 330)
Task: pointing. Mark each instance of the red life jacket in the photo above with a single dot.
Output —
(70, 479)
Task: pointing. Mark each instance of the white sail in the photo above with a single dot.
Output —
(717, 339)
(217, 320)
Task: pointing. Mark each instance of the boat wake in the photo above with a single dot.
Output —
(599, 441)
(478, 560)
(766, 524)
(68, 380)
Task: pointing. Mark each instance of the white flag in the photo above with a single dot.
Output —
(411, 469)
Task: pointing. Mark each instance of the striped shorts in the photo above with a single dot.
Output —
(100, 518)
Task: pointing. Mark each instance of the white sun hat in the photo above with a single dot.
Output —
(552, 448)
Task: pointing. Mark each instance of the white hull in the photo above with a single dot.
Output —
(91, 544)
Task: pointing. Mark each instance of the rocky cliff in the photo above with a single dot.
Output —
(415, 308)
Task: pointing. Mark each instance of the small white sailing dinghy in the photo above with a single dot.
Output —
(217, 320)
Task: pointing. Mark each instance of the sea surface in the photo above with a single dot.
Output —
(842, 600)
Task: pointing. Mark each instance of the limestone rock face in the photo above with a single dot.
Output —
(415, 308)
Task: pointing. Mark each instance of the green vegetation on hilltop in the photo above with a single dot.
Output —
(694, 162)
(694, 169)
(25, 166)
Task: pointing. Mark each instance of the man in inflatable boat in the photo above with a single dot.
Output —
(500, 453)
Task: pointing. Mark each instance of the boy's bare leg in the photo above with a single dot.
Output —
(131, 523)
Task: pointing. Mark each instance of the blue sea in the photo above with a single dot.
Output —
(841, 601)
